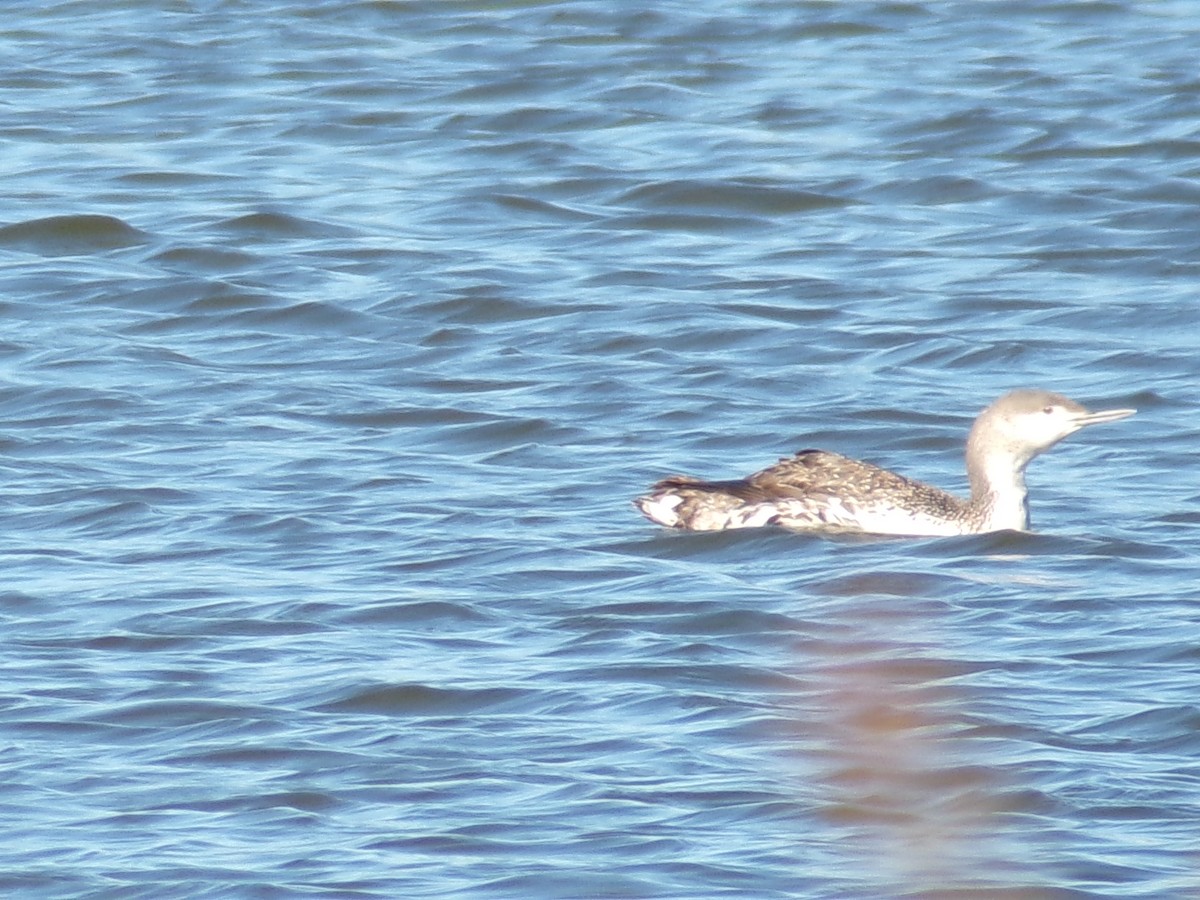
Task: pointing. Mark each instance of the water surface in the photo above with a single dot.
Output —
(337, 338)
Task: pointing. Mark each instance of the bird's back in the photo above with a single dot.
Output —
(813, 490)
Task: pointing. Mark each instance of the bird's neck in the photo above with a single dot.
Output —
(998, 488)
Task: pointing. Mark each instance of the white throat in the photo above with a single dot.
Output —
(1005, 495)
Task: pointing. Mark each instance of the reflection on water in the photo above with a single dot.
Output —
(914, 794)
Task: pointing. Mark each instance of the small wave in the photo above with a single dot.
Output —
(71, 235)
(271, 226)
(421, 700)
(756, 197)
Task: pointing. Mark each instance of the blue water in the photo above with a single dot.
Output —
(337, 337)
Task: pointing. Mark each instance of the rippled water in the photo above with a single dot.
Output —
(337, 338)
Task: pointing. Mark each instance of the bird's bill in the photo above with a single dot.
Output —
(1101, 416)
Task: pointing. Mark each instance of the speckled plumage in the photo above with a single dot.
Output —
(816, 490)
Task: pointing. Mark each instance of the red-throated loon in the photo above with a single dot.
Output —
(820, 491)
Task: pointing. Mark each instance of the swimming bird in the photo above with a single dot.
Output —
(816, 490)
